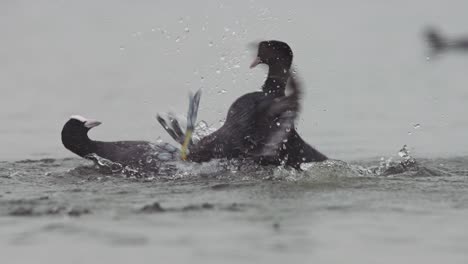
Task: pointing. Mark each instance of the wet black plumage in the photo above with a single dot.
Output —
(247, 125)
(132, 153)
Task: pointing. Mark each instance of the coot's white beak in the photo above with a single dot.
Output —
(256, 62)
(92, 123)
(89, 123)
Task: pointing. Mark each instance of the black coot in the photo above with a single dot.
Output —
(439, 43)
(259, 122)
(278, 56)
(128, 153)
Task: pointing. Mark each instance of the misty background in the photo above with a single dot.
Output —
(370, 87)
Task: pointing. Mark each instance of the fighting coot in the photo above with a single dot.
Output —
(128, 153)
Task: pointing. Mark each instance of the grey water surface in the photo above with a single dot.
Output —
(371, 87)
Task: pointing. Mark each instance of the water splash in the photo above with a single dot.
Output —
(158, 164)
(202, 129)
(103, 163)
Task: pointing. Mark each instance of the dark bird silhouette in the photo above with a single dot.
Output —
(439, 43)
(260, 125)
(128, 153)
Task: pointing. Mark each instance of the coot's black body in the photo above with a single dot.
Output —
(244, 132)
(128, 153)
(440, 43)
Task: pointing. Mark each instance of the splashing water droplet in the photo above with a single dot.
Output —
(278, 123)
(218, 71)
(181, 20)
(177, 39)
(187, 30)
(210, 44)
(404, 152)
(222, 58)
(222, 91)
(409, 133)
(122, 48)
(236, 66)
(416, 126)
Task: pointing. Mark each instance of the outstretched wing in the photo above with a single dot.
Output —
(282, 114)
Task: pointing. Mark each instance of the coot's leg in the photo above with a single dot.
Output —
(170, 130)
(194, 102)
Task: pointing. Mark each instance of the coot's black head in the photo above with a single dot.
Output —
(434, 39)
(272, 53)
(75, 135)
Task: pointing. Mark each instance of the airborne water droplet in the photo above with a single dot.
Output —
(122, 48)
(210, 44)
(222, 91)
(218, 71)
(416, 126)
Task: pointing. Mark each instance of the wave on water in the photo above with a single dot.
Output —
(67, 186)
(405, 165)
